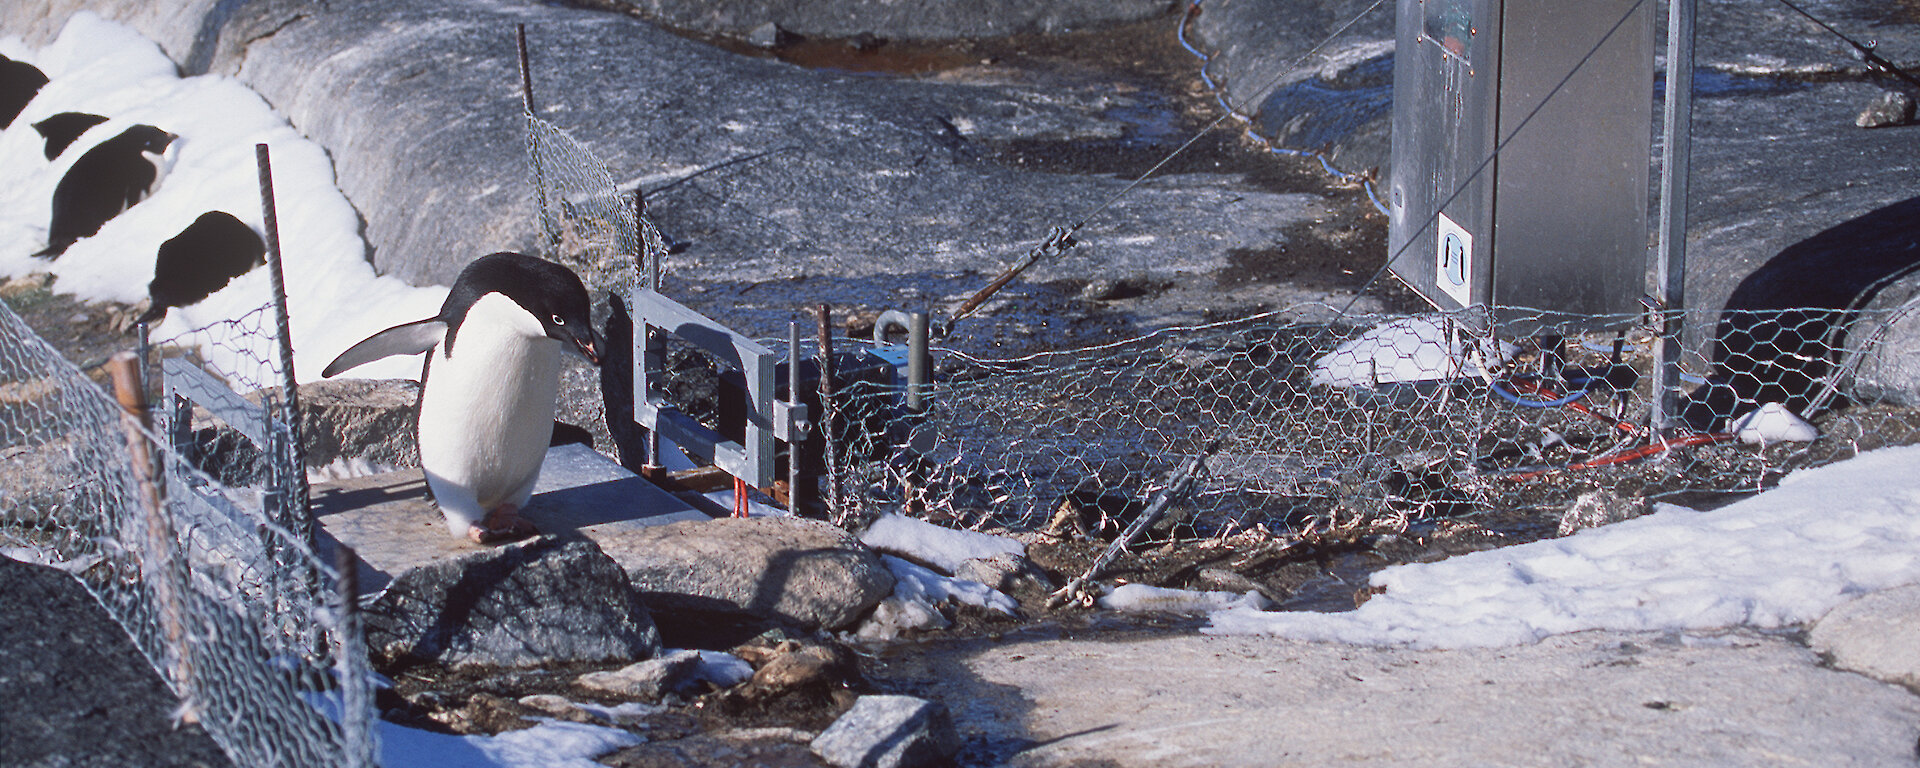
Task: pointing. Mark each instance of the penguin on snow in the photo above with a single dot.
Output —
(203, 258)
(489, 385)
(110, 178)
(62, 129)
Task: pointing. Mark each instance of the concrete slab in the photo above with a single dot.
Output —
(1597, 698)
(393, 526)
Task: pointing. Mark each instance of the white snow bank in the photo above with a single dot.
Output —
(102, 67)
(1780, 558)
(1142, 598)
(943, 548)
(1402, 350)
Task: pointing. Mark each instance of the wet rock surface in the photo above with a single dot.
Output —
(885, 19)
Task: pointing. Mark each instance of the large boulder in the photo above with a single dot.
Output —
(366, 419)
(799, 572)
(545, 600)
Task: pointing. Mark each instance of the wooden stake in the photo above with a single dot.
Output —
(157, 564)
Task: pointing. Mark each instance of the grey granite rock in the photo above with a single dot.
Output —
(801, 572)
(646, 680)
(1891, 108)
(1877, 635)
(544, 600)
(364, 419)
(889, 732)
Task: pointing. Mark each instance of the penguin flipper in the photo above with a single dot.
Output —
(405, 339)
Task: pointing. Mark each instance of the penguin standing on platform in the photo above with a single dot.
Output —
(489, 386)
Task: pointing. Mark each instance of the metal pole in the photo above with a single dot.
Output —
(1670, 260)
(918, 363)
(796, 442)
(356, 706)
(299, 515)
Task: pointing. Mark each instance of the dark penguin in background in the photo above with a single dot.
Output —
(61, 129)
(108, 179)
(489, 385)
(203, 258)
(19, 83)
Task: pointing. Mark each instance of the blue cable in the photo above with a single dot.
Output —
(1518, 400)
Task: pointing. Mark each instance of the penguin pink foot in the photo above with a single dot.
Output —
(504, 523)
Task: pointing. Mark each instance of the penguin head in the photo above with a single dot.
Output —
(551, 293)
(151, 140)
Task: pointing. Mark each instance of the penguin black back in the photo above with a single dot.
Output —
(60, 130)
(19, 83)
(203, 258)
(550, 292)
(108, 179)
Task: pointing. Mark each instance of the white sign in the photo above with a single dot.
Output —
(1453, 262)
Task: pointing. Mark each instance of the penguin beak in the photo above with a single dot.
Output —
(590, 347)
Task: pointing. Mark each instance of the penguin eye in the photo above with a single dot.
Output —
(558, 320)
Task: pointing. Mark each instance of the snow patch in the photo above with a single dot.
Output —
(1781, 558)
(943, 548)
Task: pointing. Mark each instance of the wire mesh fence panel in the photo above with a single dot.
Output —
(1373, 420)
(584, 221)
(229, 602)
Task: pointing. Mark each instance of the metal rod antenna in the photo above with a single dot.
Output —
(1670, 258)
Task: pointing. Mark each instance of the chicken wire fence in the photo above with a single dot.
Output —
(189, 535)
(1308, 425)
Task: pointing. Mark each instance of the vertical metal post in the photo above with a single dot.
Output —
(830, 485)
(796, 455)
(300, 516)
(356, 707)
(1670, 260)
(918, 363)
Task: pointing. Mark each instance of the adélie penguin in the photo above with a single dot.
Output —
(111, 177)
(489, 385)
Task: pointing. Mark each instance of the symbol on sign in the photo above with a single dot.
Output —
(1453, 259)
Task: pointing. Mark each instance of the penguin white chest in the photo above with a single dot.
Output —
(486, 415)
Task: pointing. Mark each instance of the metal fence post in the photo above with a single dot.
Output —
(1670, 260)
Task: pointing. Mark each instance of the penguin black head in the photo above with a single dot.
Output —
(550, 292)
(149, 139)
(19, 83)
(60, 130)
